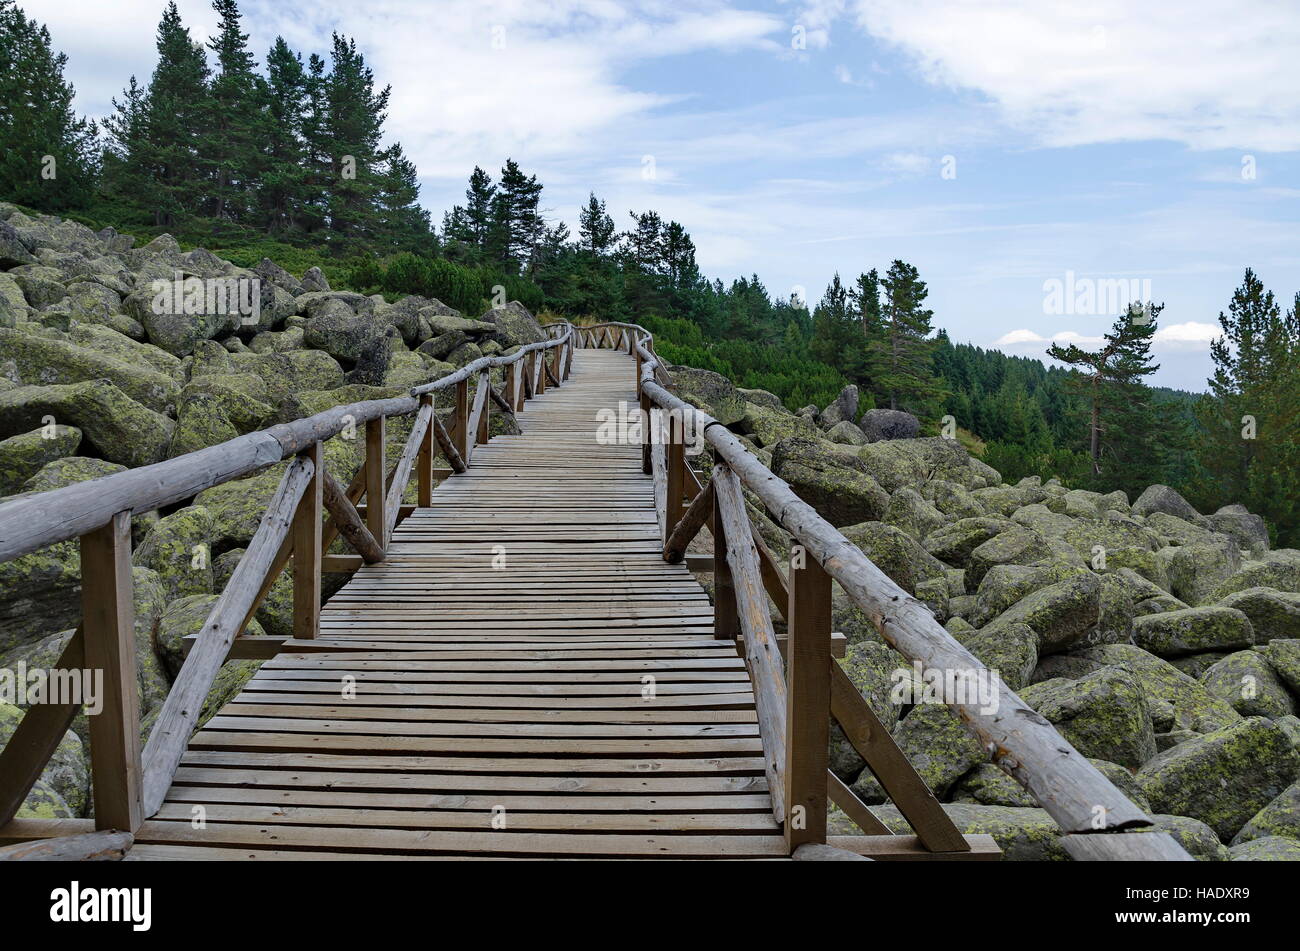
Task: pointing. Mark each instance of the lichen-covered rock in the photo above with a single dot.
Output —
(515, 326)
(44, 803)
(1061, 614)
(275, 613)
(768, 426)
(871, 667)
(181, 619)
(987, 785)
(1222, 778)
(120, 429)
(1247, 530)
(1276, 569)
(1273, 614)
(438, 347)
(954, 542)
(1197, 572)
(1273, 848)
(1014, 546)
(293, 372)
(1194, 708)
(1283, 657)
(1197, 839)
(1103, 714)
(831, 479)
(1247, 681)
(1279, 817)
(22, 456)
(1193, 631)
(953, 500)
(895, 553)
(1123, 780)
(179, 549)
(340, 332)
(68, 771)
(1161, 498)
(938, 746)
(1010, 650)
(1023, 834)
(886, 424)
(846, 434)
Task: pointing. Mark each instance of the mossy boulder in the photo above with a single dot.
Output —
(1104, 714)
(1246, 680)
(237, 507)
(938, 746)
(167, 325)
(768, 427)
(1273, 614)
(1247, 530)
(871, 667)
(22, 456)
(954, 542)
(183, 618)
(711, 392)
(275, 613)
(886, 424)
(1194, 708)
(1198, 572)
(896, 553)
(1061, 614)
(846, 434)
(1283, 657)
(987, 785)
(1277, 569)
(1193, 631)
(1011, 650)
(515, 326)
(1222, 778)
(179, 549)
(953, 500)
(1279, 817)
(44, 803)
(1273, 848)
(1161, 498)
(341, 333)
(1014, 546)
(116, 426)
(286, 374)
(67, 773)
(831, 479)
(1024, 834)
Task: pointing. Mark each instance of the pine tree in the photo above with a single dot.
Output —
(834, 328)
(177, 109)
(47, 155)
(126, 174)
(904, 353)
(596, 227)
(284, 174)
(517, 215)
(1111, 381)
(318, 148)
(355, 123)
(237, 124)
(403, 224)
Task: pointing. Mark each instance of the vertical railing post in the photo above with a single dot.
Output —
(675, 457)
(808, 699)
(376, 478)
(424, 466)
(484, 417)
(108, 616)
(726, 619)
(541, 371)
(636, 353)
(568, 356)
(647, 437)
(460, 435)
(509, 384)
(306, 537)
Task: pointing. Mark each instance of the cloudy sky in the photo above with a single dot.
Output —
(1026, 155)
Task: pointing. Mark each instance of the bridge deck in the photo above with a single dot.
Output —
(484, 690)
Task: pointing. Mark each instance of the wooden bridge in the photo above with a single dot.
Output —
(521, 665)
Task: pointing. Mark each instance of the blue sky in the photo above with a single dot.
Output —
(1148, 143)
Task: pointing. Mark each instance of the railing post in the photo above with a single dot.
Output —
(509, 384)
(726, 619)
(808, 699)
(306, 537)
(541, 371)
(460, 434)
(676, 464)
(636, 353)
(647, 437)
(376, 472)
(424, 467)
(568, 356)
(485, 415)
(108, 617)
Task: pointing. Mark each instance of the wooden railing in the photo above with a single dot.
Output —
(796, 699)
(129, 784)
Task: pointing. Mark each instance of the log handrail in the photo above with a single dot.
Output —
(1076, 794)
(129, 784)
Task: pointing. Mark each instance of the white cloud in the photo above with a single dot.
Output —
(1025, 338)
(1191, 335)
(1207, 73)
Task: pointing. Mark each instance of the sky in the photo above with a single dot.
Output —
(1038, 161)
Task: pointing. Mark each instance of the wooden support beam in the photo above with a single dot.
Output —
(909, 848)
(479, 421)
(109, 623)
(762, 656)
(853, 807)
(340, 564)
(819, 852)
(181, 709)
(689, 525)
(348, 521)
(773, 580)
(726, 622)
(376, 471)
(808, 661)
(424, 467)
(502, 403)
(887, 763)
(460, 422)
(646, 435)
(675, 463)
(37, 736)
(448, 446)
(510, 387)
(402, 471)
(306, 534)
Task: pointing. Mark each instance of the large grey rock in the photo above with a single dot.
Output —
(844, 408)
(884, 424)
(711, 392)
(1246, 680)
(831, 479)
(120, 429)
(1161, 498)
(1104, 714)
(1279, 817)
(1193, 631)
(1222, 778)
(1061, 615)
(1273, 614)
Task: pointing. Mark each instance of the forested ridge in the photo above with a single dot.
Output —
(286, 157)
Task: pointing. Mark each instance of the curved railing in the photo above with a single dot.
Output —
(795, 706)
(129, 783)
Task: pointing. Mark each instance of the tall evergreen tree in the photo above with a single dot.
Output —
(355, 122)
(237, 125)
(517, 215)
(596, 227)
(834, 336)
(47, 155)
(904, 351)
(403, 224)
(284, 172)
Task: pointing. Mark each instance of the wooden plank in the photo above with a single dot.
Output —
(853, 807)
(909, 848)
(1125, 847)
(109, 625)
(425, 478)
(376, 471)
(402, 471)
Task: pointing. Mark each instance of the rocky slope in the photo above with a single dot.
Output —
(1163, 643)
(113, 356)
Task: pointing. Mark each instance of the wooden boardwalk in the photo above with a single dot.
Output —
(523, 676)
